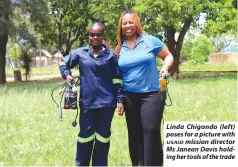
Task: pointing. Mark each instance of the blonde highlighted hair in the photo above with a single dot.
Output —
(120, 36)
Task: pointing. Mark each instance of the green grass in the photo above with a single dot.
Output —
(203, 99)
(55, 70)
(32, 135)
(36, 71)
(207, 67)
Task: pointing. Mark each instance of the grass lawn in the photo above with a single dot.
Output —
(208, 67)
(36, 71)
(32, 135)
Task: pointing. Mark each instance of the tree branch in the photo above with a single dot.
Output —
(69, 45)
(184, 30)
(59, 25)
(68, 37)
(170, 33)
(182, 34)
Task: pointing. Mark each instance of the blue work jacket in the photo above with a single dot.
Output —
(97, 75)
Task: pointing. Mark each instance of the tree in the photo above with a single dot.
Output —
(108, 12)
(71, 17)
(224, 41)
(169, 20)
(14, 52)
(175, 17)
(202, 47)
(196, 49)
(187, 47)
(5, 6)
(10, 12)
(26, 59)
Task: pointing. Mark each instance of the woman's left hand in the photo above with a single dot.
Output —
(120, 109)
(163, 71)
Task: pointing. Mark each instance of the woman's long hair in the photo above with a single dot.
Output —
(120, 36)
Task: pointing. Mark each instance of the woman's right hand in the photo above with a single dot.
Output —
(120, 109)
(69, 78)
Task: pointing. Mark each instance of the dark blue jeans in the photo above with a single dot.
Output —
(144, 112)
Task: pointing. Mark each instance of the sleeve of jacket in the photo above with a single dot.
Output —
(68, 62)
(117, 81)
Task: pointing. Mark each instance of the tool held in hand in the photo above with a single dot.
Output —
(164, 88)
(69, 92)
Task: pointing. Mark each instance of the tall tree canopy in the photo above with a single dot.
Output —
(170, 20)
(66, 21)
(175, 17)
(71, 18)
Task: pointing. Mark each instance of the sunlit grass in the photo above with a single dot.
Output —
(37, 71)
(208, 67)
(32, 135)
(183, 67)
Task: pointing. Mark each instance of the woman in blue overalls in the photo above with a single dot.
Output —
(100, 91)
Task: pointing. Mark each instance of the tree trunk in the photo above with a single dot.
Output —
(17, 76)
(174, 70)
(4, 14)
(3, 45)
(176, 46)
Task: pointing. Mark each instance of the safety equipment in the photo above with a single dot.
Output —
(69, 92)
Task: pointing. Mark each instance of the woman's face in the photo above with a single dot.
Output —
(128, 25)
(96, 36)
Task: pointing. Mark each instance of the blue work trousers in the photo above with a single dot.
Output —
(94, 136)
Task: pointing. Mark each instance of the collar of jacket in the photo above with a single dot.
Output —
(89, 49)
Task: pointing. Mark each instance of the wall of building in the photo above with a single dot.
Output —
(215, 58)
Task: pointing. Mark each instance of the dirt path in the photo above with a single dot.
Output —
(39, 77)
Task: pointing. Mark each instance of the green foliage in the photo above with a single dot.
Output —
(14, 50)
(170, 20)
(108, 12)
(187, 47)
(202, 46)
(196, 49)
(26, 58)
(74, 16)
(70, 20)
(158, 14)
(221, 18)
(37, 11)
(5, 11)
(65, 23)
